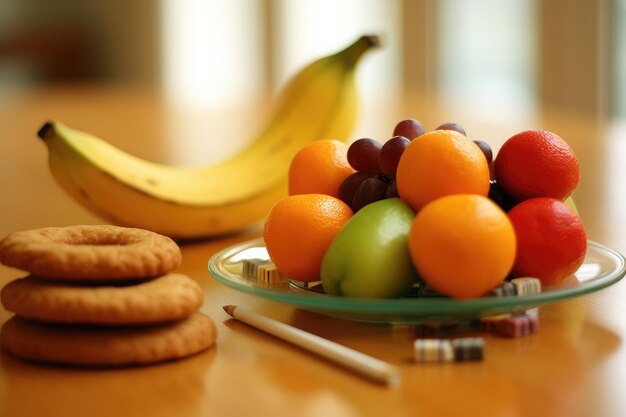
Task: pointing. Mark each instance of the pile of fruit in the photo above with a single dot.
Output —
(371, 219)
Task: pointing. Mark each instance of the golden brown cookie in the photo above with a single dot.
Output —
(107, 346)
(90, 253)
(168, 297)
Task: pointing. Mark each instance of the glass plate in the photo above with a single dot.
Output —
(602, 267)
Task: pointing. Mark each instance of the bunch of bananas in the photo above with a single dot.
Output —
(183, 202)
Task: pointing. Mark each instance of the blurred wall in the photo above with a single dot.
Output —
(520, 55)
(72, 40)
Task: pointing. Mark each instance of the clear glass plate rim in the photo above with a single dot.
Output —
(404, 305)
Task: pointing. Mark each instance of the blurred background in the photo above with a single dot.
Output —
(504, 56)
(495, 66)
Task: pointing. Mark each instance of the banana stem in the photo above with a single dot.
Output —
(45, 131)
(358, 48)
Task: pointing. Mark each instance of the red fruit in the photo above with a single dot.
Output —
(537, 163)
(551, 240)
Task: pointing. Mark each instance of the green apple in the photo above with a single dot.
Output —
(569, 201)
(369, 257)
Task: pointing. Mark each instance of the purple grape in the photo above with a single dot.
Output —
(409, 128)
(370, 190)
(498, 195)
(452, 126)
(484, 146)
(390, 155)
(363, 155)
(384, 178)
(349, 186)
(392, 190)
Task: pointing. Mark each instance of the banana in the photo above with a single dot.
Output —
(194, 202)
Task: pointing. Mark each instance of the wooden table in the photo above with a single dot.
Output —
(575, 364)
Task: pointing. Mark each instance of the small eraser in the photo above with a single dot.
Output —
(433, 350)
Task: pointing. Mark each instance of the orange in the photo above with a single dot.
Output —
(440, 163)
(299, 229)
(537, 163)
(551, 240)
(462, 245)
(319, 167)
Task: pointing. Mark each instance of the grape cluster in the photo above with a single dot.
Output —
(376, 163)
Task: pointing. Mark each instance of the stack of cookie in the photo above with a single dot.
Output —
(100, 296)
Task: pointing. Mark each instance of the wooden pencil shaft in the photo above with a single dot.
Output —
(352, 359)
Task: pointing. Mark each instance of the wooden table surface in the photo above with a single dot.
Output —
(575, 364)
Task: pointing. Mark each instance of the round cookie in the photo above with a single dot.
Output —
(168, 297)
(90, 253)
(105, 346)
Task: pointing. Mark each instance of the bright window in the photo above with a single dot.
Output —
(486, 54)
(212, 50)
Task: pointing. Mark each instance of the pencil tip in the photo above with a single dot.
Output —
(229, 309)
(394, 379)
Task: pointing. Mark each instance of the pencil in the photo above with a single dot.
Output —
(361, 363)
